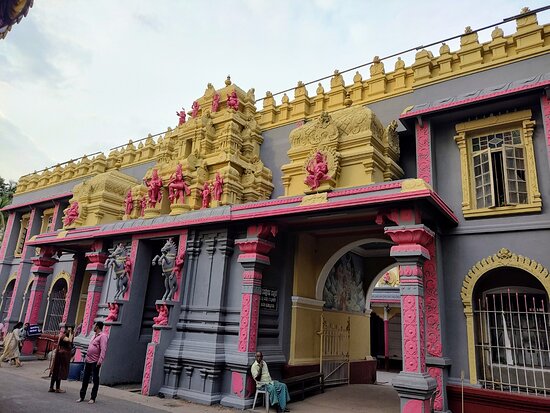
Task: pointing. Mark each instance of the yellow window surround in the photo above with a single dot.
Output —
(22, 234)
(47, 216)
(521, 121)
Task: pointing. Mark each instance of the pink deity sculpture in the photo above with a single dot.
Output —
(233, 100)
(195, 107)
(317, 170)
(206, 193)
(154, 186)
(113, 312)
(128, 203)
(177, 187)
(72, 214)
(162, 318)
(215, 103)
(182, 115)
(142, 205)
(180, 260)
(218, 187)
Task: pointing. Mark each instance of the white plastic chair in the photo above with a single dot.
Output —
(261, 389)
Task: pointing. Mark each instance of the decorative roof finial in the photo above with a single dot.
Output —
(228, 81)
(525, 10)
(467, 30)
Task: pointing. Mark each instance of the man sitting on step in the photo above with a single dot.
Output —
(278, 392)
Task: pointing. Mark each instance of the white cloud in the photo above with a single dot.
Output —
(80, 76)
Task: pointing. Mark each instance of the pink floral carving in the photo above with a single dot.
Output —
(410, 333)
(317, 171)
(156, 336)
(254, 316)
(71, 214)
(181, 115)
(113, 312)
(433, 343)
(245, 322)
(436, 373)
(162, 318)
(148, 369)
(423, 152)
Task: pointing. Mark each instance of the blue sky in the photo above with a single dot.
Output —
(77, 76)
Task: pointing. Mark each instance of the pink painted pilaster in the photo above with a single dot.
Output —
(20, 268)
(254, 258)
(424, 152)
(414, 385)
(7, 235)
(42, 268)
(545, 107)
(97, 269)
(57, 212)
(434, 344)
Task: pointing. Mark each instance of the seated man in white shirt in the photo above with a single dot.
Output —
(278, 392)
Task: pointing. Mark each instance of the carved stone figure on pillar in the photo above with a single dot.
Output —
(166, 260)
(195, 109)
(177, 187)
(233, 100)
(218, 187)
(182, 115)
(317, 171)
(154, 186)
(215, 103)
(128, 203)
(206, 194)
(162, 318)
(119, 266)
(71, 214)
(113, 312)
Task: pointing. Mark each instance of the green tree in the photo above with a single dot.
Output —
(7, 189)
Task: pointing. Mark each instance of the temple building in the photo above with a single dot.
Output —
(395, 221)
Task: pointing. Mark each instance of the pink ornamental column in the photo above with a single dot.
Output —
(96, 268)
(41, 269)
(414, 385)
(254, 258)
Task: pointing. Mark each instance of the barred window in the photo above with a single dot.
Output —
(56, 306)
(6, 301)
(512, 343)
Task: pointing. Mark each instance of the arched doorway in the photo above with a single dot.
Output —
(56, 306)
(345, 287)
(6, 299)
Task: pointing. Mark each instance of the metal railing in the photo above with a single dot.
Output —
(334, 359)
(512, 343)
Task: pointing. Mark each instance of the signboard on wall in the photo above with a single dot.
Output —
(269, 299)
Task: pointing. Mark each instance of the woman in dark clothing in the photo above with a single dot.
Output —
(61, 361)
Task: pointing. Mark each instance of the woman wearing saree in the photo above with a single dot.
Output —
(11, 345)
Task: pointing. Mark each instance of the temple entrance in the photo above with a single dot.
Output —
(334, 331)
(83, 296)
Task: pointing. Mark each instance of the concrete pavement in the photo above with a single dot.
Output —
(26, 389)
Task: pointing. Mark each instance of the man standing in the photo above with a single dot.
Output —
(278, 392)
(94, 359)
